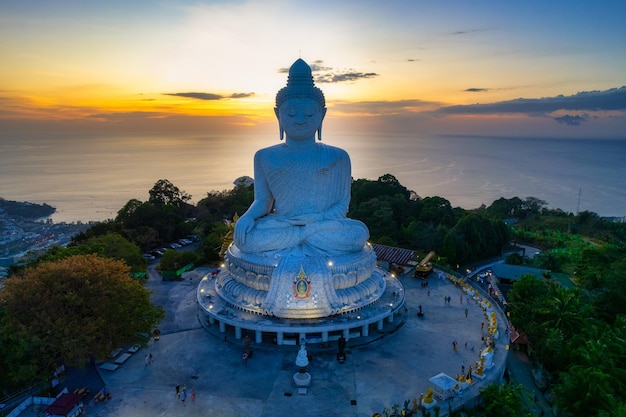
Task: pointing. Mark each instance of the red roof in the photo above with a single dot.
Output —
(392, 254)
(518, 337)
(64, 404)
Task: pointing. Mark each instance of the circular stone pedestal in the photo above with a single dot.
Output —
(294, 285)
(377, 317)
(302, 379)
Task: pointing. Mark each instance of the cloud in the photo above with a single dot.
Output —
(476, 90)
(467, 32)
(199, 96)
(570, 120)
(385, 107)
(343, 77)
(209, 96)
(608, 100)
(241, 95)
(323, 74)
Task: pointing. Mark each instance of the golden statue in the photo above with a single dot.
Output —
(227, 239)
(428, 398)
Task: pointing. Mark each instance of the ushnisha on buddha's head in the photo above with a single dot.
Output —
(300, 106)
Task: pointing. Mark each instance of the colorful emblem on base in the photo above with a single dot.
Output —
(301, 286)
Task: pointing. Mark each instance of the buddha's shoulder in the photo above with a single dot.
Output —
(282, 149)
(270, 150)
(330, 153)
(330, 148)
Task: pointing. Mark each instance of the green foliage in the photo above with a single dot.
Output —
(572, 339)
(165, 193)
(594, 384)
(165, 217)
(505, 400)
(67, 311)
(173, 260)
(516, 208)
(213, 241)
(514, 259)
(474, 237)
(217, 207)
(110, 245)
(438, 211)
(396, 216)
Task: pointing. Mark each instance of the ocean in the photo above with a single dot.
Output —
(91, 178)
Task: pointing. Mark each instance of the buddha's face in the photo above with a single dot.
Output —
(300, 117)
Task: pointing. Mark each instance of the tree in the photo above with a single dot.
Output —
(505, 208)
(110, 245)
(377, 214)
(505, 400)
(533, 205)
(525, 300)
(113, 245)
(173, 260)
(438, 210)
(564, 310)
(164, 192)
(69, 311)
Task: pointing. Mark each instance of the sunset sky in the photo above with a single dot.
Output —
(534, 68)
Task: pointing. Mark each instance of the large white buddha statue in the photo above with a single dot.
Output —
(295, 254)
(301, 188)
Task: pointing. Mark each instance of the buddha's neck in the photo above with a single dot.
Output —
(300, 143)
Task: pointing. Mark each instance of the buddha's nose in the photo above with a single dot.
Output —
(300, 117)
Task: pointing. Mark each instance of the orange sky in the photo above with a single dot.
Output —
(392, 66)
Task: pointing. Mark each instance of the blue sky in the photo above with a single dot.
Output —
(535, 68)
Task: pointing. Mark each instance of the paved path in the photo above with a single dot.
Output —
(377, 373)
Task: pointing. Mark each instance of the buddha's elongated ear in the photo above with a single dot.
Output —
(319, 130)
(280, 128)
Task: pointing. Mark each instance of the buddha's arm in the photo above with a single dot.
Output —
(263, 198)
(340, 208)
(261, 205)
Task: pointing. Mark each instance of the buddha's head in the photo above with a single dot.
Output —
(300, 106)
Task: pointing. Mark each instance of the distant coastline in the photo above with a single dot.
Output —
(26, 210)
(26, 231)
(466, 171)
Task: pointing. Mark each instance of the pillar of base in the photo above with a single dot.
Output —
(429, 405)
(302, 379)
(390, 318)
(222, 327)
(324, 336)
(379, 325)
(346, 334)
(211, 320)
(365, 330)
(258, 336)
(237, 332)
(279, 338)
(301, 336)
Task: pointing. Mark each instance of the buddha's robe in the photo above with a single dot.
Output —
(309, 189)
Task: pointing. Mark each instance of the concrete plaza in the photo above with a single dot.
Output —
(381, 370)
